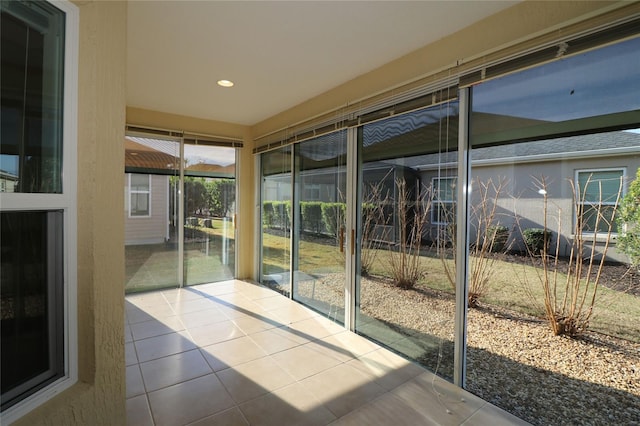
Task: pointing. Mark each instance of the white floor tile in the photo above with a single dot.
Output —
(174, 369)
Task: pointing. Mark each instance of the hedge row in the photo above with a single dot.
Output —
(318, 217)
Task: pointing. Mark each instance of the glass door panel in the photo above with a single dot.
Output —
(152, 168)
(276, 219)
(405, 291)
(320, 175)
(209, 214)
(550, 167)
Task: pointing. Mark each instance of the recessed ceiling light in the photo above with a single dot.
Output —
(225, 83)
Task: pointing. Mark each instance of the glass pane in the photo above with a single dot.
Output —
(151, 215)
(546, 293)
(140, 204)
(32, 309)
(445, 189)
(600, 186)
(319, 221)
(560, 98)
(32, 86)
(140, 183)
(209, 211)
(598, 218)
(405, 289)
(276, 219)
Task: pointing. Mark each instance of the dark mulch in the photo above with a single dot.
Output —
(616, 276)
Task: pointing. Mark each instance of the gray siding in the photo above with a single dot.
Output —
(152, 229)
(521, 206)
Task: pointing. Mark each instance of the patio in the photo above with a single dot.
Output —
(237, 353)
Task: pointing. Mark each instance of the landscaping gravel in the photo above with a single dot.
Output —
(513, 360)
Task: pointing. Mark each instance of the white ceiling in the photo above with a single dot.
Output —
(278, 53)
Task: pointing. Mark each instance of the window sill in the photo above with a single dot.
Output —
(599, 238)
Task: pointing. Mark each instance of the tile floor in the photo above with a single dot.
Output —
(236, 353)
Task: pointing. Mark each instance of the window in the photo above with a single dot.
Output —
(312, 192)
(139, 195)
(597, 193)
(38, 203)
(443, 210)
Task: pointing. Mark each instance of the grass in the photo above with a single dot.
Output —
(154, 266)
(513, 286)
(314, 257)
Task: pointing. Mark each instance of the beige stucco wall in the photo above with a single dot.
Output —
(99, 396)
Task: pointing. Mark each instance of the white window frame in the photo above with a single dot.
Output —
(67, 202)
(600, 236)
(435, 201)
(130, 192)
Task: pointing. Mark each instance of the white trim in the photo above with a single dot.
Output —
(67, 201)
(463, 197)
(353, 249)
(167, 191)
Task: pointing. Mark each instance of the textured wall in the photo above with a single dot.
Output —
(99, 397)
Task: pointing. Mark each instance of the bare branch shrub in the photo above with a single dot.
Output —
(489, 238)
(375, 232)
(412, 207)
(569, 300)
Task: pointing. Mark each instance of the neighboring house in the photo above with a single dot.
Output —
(150, 196)
(147, 195)
(146, 209)
(606, 159)
(8, 181)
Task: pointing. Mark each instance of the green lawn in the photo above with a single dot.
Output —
(512, 286)
(154, 266)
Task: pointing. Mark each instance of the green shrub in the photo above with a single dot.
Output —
(311, 212)
(333, 216)
(629, 222)
(281, 214)
(268, 214)
(499, 234)
(536, 239)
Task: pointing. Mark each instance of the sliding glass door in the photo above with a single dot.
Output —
(405, 292)
(179, 214)
(209, 210)
(276, 219)
(319, 228)
(152, 174)
(370, 212)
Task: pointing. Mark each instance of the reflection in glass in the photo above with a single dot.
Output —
(32, 76)
(560, 98)
(209, 211)
(276, 219)
(404, 221)
(32, 309)
(557, 142)
(151, 216)
(319, 221)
